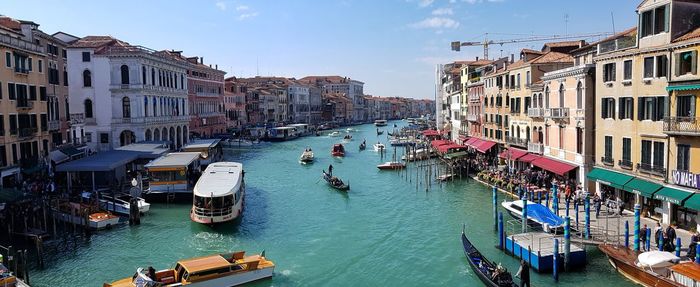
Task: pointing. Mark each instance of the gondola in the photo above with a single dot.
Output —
(363, 146)
(335, 182)
(484, 268)
(379, 132)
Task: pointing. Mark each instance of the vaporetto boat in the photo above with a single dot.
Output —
(219, 193)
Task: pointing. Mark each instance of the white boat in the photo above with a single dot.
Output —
(536, 213)
(380, 123)
(334, 134)
(77, 213)
(219, 193)
(379, 147)
(350, 130)
(391, 165)
(119, 203)
(281, 134)
(232, 269)
(307, 156)
(421, 154)
(233, 143)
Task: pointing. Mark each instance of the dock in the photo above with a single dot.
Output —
(537, 249)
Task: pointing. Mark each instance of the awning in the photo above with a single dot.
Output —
(437, 143)
(683, 88)
(463, 139)
(555, 166)
(103, 161)
(430, 133)
(611, 178)
(693, 202)
(471, 141)
(530, 157)
(672, 195)
(58, 157)
(455, 154)
(642, 187)
(447, 147)
(512, 154)
(485, 146)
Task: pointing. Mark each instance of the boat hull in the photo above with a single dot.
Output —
(237, 279)
(92, 224)
(623, 260)
(471, 253)
(337, 153)
(390, 167)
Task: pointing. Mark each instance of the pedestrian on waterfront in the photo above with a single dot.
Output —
(643, 237)
(524, 274)
(658, 233)
(671, 237)
(598, 202)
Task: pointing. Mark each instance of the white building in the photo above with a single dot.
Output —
(299, 102)
(120, 94)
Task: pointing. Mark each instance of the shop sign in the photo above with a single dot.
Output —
(685, 178)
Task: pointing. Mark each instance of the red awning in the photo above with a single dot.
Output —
(512, 154)
(470, 142)
(431, 133)
(528, 158)
(463, 139)
(554, 166)
(484, 146)
(446, 148)
(437, 143)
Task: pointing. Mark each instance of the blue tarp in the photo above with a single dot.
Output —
(103, 161)
(542, 214)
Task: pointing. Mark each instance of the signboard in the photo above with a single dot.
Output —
(686, 178)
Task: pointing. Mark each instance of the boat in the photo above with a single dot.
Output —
(231, 269)
(338, 150)
(445, 177)
(280, 134)
(379, 147)
(119, 203)
(173, 175)
(347, 137)
(77, 213)
(380, 132)
(391, 165)
(335, 182)
(234, 143)
(334, 134)
(307, 156)
(651, 268)
(420, 154)
(363, 145)
(488, 272)
(209, 149)
(536, 213)
(401, 142)
(380, 123)
(219, 193)
(7, 278)
(349, 130)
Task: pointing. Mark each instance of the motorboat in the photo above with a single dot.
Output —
(119, 203)
(379, 147)
(349, 130)
(347, 137)
(335, 182)
(219, 193)
(536, 213)
(391, 165)
(420, 154)
(334, 134)
(489, 273)
(380, 123)
(652, 268)
(338, 150)
(85, 215)
(234, 143)
(307, 156)
(401, 142)
(231, 269)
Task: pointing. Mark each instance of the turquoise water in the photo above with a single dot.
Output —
(382, 233)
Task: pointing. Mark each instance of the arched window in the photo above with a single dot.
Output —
(126, 107)
(145, 106)
(546, 98)
(88, 108)
(87, 78)
(143, 75)
(148, 135)
(561, 95)
(125, 74)
(153, 77)
(579, 96)
(154, 107)
(67, 109)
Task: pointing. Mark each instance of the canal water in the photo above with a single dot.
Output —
(384, 232)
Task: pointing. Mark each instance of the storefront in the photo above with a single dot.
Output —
(608, 182)
(560, 170)
(673, 200)
(643, 190)
(688, 214)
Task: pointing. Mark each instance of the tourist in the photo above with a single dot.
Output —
(524, 274)
(671, 237)
(658, 233)
(643, 237)
(598, 202)
(693, 244)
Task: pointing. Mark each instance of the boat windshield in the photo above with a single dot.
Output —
(213, 202)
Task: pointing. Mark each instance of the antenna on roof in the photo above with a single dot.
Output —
(613, 21)
(566, 23)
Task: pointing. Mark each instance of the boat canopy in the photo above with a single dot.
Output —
(219, 179)
(198, 145)
(172, 161)
(657, 259)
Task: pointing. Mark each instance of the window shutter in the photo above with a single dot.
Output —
(694, 62)
(667, 17)
(640, 106)
(662, 108)
(605, 73)
(631, 107)
(677, 64)
(614, 74)
(604, 108)
(691, 114)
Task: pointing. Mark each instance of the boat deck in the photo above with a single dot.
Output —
(537, 248)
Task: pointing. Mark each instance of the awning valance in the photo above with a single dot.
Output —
(693, 202)
(611, 178)
(455, 155)
(672, 195)
(642, 187)
(528, 158)
(555, 166)
(683, 88)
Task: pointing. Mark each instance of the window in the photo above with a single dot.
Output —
(647, 23)
(42, 93)
(661, 66)
(86, 56)
(579, 96)
(648, 67)
(609, 72)
(626, 108)
(13, 124)
(685, 106)
(608, 108)
(660, 20)
(579, 140)
(658, 155)
(32, 93)
(651, 108)
(104, 138)
(546, 98)
(65, 76)
(88, 137)
(88, 108)
(126, 107)
(40, 63)
(628, 70)
(87, 78)
(143, 75)
(683, 157)
(646, 152)
(64, 53)
(67, 109)
(44, 122)
(562, 90)
(527, 78)
(686, 63)
(626, 152)
(29, 64)
(8, 59)
(608, 149)
(125, 74)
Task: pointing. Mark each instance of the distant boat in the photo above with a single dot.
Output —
(486, 269)
(363, 146)
(651, 268)
(307, 156)
(380, 123)
(347, 137)
(232, 143)
(536, 213)
(338, 150)
(334, 134)
(335, 182)
(379, 147)
(391, 165)
(350, 130)
(380, 132)
(119, 203)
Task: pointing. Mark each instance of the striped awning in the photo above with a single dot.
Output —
(683, 88)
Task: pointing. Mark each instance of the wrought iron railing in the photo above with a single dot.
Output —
(607, 160)
(535, 112)
(651, 169)
(682, 125)
(535, 147)
(557, 113)
(517, 141)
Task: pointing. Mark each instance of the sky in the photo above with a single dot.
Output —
(390, 45)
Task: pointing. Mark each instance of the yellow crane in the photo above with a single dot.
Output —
(457, 45)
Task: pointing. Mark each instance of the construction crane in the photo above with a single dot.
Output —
(457, 45)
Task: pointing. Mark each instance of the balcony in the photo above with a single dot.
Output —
(517, 141)
(26, 133)
(580, 114)
(23, 104)
(535, 147)
(54, 125)
(607, 160)
(651, 169)
(20, 70)
(686, 126)
(150, 120)
(535, 112)
(625, 163)
(473, 118)
(557, 113)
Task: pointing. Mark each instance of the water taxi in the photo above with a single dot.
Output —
(379, 147)
(218, 194)
(307, 156)
(380, 123)
(230, 269)
(652, 268)
(391, 165)
(334, 134)
(173, 174)
(338, 150)
(85, 215)
(210, 150)
(301, 130)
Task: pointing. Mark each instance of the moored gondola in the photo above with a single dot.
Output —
(335, 182)
(489, 273)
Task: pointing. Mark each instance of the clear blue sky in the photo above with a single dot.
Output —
(391, 45)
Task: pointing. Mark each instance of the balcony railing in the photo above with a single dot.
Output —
(27, 132)
(21, 70)
(535, 112)
(517, 141)
(54, 125)
(21, 44)
(607, 160)
(682, 126)
(580, 114)
(148, 120)
(651, 169)
(23, 104)
(557, 113)
(625, 163)
(535, 147)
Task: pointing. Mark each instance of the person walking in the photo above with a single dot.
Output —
(643, 237)
(598, 202)
(524, 274)
(671, 237)
(658, 233)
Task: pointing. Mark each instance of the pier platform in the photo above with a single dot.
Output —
(537, 248)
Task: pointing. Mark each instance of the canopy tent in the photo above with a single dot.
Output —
(555, 166)
(102, 161)
(512, 154)
(437, 143)
(431, 133)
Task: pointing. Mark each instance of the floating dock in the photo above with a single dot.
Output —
(537, 248)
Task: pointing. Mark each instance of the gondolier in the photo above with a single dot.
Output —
(330, 169)
(524, 274)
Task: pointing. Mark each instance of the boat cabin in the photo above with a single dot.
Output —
(301, 129)
(210, 150)
(218, 193)
(173, 173)
(281, 133)
(210, 267)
